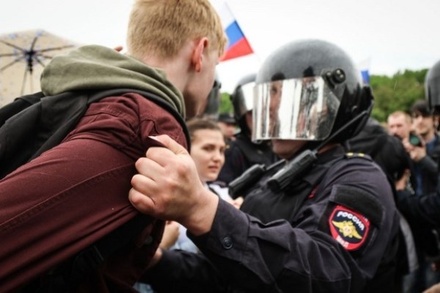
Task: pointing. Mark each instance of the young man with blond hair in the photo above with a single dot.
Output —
(63, 202)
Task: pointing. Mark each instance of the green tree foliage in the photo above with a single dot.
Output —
(225, 103)
(397, 92)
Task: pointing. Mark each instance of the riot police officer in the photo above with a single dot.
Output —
(325, 221)
(242, 152)
(432, 88)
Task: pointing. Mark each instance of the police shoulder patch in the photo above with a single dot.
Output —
(348, 228)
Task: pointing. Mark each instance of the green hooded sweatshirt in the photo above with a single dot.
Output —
(99, 68)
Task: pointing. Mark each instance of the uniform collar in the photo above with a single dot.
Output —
(326, 158)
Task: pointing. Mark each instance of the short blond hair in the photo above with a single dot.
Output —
(405, 115)
(161, 27)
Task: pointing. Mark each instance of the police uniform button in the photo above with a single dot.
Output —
(227, 242)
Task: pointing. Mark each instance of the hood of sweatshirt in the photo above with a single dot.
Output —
(95, 67)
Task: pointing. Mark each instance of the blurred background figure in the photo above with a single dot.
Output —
(424, 149)
(432, 91)
(399, 124)
(211, 107)
(423, 209)
(228, 126)
(242, 152)
(390, 154)
(385, 149)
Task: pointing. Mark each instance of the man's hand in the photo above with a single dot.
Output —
(433, 289)
(170, 235)
(168, 187)
(415, 152)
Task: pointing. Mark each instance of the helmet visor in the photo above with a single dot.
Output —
(301, 109)
(247, 97)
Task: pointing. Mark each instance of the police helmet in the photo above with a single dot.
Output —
(242, 99)
(308, 90)
(432, 88)
(212, 105)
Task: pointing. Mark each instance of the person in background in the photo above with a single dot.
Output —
(325, 221)
(390, 154)
(210, 109)
(243, 152)
(423, 211)
(399, 124)
(227, 125)
(424, 149)
(73, 195)
(207, 151)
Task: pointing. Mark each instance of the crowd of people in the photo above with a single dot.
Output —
(136, 197)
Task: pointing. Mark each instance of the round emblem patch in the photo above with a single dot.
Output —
(349, 228)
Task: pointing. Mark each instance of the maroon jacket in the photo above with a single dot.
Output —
(77, 192)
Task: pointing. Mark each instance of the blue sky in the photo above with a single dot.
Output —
(391, 34)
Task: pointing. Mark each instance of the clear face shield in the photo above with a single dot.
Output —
(294, 109)
(246, 102)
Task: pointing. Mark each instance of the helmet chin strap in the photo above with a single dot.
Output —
(291, 169)
(306, 158)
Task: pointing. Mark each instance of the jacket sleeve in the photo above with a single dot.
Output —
(183, 271)
(274, 257)
(428, 165)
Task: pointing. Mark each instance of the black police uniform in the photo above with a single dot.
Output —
(241, 154)
(333, 230)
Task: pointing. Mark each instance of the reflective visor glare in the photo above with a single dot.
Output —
(247, 91)
(302, 109)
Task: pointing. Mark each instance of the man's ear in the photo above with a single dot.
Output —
(197, 56)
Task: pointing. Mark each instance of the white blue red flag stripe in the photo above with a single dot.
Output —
(364, 67)
(365, 76)
(238, 45)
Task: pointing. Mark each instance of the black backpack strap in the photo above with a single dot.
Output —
(19, 104)
(33, 124)
(37, 128)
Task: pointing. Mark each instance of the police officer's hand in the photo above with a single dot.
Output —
(168, 187)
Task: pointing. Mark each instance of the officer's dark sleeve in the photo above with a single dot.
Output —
(274, 257)
(182, 271)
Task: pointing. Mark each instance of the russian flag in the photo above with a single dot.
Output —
(238, 45)
(365, 76)
(364, 68)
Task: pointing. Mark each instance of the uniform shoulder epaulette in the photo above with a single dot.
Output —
(351, 155)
